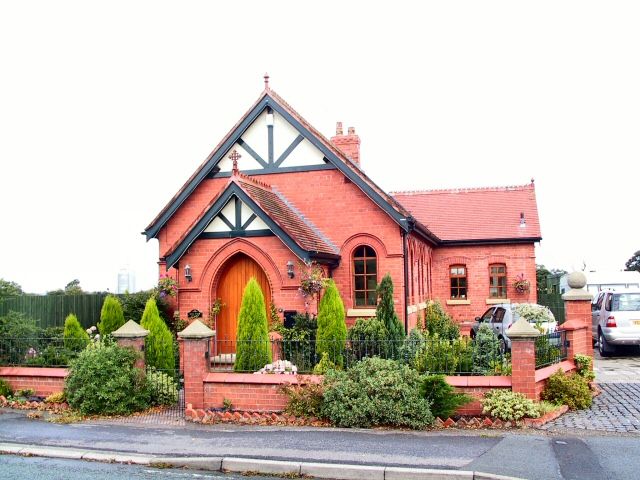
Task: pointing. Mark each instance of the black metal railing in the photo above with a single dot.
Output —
(551, 348)
(40, 351)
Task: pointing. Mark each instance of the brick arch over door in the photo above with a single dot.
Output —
(234, 276)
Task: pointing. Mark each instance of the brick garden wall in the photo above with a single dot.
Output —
(44, 381)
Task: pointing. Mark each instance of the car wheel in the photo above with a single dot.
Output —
(603, 347)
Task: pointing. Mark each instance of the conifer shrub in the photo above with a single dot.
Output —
(386, 313)
(111, 316)
(75, 337)
(412, 344)
(332, 329)
(368, 338)
(104, 380)
(374, 392)
(159, 349)
(486, 351)
(442, 397)
(437, 321)
(253, 348)
(324, 365)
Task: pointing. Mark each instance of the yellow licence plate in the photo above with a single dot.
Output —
(636, 322)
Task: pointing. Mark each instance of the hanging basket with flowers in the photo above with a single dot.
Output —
(521, 285)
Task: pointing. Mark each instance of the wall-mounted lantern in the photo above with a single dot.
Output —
(187, 272)
(290, 269)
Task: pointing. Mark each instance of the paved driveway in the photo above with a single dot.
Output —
(617, 408)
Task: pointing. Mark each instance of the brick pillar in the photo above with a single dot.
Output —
(132, 335)
(195, 341)
(276, 346)
(523, 358)
(577, 308)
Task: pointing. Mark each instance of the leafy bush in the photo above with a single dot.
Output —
(298, 342)
(438, 322)
(442, 397)
(368, 338)
(20, 338)
(104, 380)
(486, 351)
(56, 397)
(75, 337)
(375, 392)
(133, 305)
(411, 346)
(508, 405)
(571, 390)
(253, 349)
(386, 313)
(111, 316)
(159, 349)
(53, 355)
(584, 364)
(533, 312)
(162, 388)
(304, 401)
(332, 330)
(324, 365)
(5, 388)
(437, 355)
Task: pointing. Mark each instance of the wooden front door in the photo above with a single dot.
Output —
(235, 276)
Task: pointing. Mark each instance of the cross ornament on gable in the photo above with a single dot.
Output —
(235, 156)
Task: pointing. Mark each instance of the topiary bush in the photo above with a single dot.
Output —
(438, 322)
(442, 397)
(375, 392)
(5, 388)
(75, 337)
(253, 348)
(159, 349)
(386, 313)
(571, 390)
(368, 338)
(163, 389)
(111, 316)
(332, 329)
(103, 380)
(508, 405)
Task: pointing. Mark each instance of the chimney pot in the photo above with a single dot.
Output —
(351, 131)
(338, 128)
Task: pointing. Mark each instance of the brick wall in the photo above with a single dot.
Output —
(44, 381)
(476, 387)
(248, 391)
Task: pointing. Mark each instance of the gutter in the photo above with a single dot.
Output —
(406, 280)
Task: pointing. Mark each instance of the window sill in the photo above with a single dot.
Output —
(493, 301)
(361, 312)
(458, 302)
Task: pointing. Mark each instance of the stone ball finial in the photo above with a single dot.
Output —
(577, 280)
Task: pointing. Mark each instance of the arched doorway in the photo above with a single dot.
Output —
(237, 271)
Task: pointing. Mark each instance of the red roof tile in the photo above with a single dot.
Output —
(475, 213)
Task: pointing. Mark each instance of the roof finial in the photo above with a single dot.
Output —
(266, 81)
(235, 156)
(532, 180)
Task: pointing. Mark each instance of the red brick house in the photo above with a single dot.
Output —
(276, 192)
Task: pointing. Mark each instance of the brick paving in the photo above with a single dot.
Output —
(617, 408)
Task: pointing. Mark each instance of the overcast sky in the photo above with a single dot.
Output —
(106, 108)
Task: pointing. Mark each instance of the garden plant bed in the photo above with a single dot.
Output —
(33, 405)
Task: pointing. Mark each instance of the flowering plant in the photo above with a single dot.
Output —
(312, 279)
(167, 286)
(521, 285)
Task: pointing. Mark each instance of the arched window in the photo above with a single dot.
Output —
(497, 280)
(365, 276)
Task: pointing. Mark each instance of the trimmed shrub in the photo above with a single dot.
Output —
(253, 348)
(332, 329)
(486, 351)
(162, 388)
(571, 390)
(442, 397)
(104, 380)
(438, 322)
(111, 316)
(304, 401)
(75, 337)
(5, 388)
(508, 405)
(159, 350)
(368, 338)
(375, 392)
(386, 313)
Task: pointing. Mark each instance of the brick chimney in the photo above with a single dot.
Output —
(349, 144)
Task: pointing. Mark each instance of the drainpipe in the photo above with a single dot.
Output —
(406, 281)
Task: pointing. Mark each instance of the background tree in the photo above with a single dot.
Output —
(9, 289)
(332, 329)
(634, 262)
(386, 312)
(75, 337)
(543, 274)
(73, 287)
(111, 316)
(253, 349)
(159, 343)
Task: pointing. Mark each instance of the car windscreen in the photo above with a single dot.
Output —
(626, 302)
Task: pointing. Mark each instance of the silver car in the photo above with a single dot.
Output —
(500, 317)
(616, 320)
